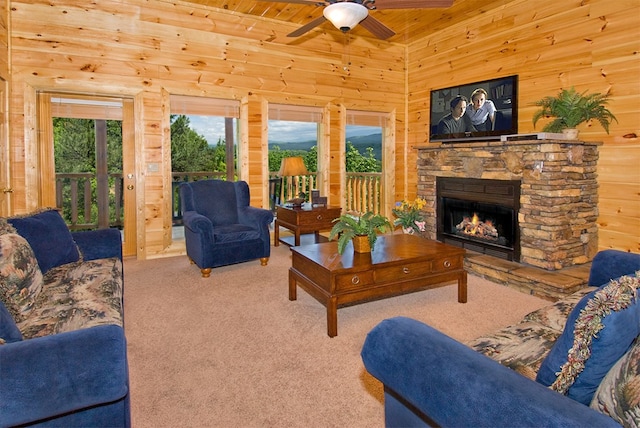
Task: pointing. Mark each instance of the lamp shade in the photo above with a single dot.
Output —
(345, 15)
(292, 166)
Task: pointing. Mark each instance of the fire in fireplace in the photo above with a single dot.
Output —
(482, 229)
(480, 215)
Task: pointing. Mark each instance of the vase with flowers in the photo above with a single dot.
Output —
(409, 215)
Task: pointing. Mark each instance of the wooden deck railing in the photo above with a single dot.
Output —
(86, 207)
(78, 198)
(364, 192)
(291, 187)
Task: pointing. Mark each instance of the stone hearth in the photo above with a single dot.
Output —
(558, 195)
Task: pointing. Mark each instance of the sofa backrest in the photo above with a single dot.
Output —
(612, 264)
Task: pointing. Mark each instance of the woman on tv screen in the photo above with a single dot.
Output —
(481, 111)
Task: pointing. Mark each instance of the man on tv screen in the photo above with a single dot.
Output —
(456, 122)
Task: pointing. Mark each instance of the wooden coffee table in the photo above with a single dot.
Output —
(398, 264)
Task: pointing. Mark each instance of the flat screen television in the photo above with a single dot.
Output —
(502, 92)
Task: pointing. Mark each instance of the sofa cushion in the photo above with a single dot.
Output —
(521, 347)
(555, 316)
(20, 277)
(8, 329)
(599, 331)
(49, 238)
(618, 395)
(77, 295)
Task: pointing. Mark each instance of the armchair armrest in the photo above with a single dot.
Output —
(198, 223)
(444, 381)
(99, 244)
(61, 373)
(251, 216)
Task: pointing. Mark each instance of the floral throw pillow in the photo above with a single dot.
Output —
(6, 227)
(618, 396)
(20, 277)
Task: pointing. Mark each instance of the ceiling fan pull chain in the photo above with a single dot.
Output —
(347, 62)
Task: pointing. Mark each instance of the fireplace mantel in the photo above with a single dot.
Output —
(558, 196)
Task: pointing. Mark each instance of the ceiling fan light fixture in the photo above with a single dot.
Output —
(345, 15)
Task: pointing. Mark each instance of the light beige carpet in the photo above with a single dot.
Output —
(233, 351)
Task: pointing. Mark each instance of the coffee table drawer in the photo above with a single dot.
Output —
(352, 281)
(402, 272)
(447, 263)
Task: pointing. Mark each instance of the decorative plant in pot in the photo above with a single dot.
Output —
(365, 226)
(571, 108)
(409, 216)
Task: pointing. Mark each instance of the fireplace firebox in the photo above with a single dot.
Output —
(479, 215)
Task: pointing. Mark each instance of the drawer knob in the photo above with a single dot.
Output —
(319, 217)
(405, 270)
(447, 264)
(355, 280)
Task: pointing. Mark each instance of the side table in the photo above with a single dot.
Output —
(305, 219)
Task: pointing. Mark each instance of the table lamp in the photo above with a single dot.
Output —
(293, 167)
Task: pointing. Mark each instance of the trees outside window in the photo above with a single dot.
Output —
(76, 165)
(191, 152)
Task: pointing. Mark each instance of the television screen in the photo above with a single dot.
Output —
(482, 110)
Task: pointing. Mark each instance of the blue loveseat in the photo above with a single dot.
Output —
(63, 359)
(431, 379)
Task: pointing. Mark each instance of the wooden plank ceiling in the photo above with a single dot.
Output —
(408, 24)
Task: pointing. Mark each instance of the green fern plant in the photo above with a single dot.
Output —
(571, 108)
(348, 226)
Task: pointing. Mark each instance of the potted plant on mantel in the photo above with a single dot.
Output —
(571, 108)
(361, 228)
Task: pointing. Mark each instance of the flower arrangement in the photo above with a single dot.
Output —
(353, 224)
(409, 215)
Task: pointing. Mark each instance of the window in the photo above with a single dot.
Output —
(204, 132)
(365, 139)
(294, 131)
(203, 135)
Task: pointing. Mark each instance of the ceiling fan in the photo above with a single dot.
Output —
(346, 14)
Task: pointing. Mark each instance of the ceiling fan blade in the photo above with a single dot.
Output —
(411, 4)
(377, 28)
(307, 2)
(308, 26)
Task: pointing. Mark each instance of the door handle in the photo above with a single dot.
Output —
(7, 190)
(130, 187)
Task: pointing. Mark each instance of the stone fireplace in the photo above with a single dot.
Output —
(554, 209)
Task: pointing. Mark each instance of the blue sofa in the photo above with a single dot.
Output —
(63, 358)
(431, 379)
(220, 227)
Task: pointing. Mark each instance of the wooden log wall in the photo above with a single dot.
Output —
(149, 50)
(551, 45)
(5, 183)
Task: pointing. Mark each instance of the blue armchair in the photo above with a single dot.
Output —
(220, 227)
